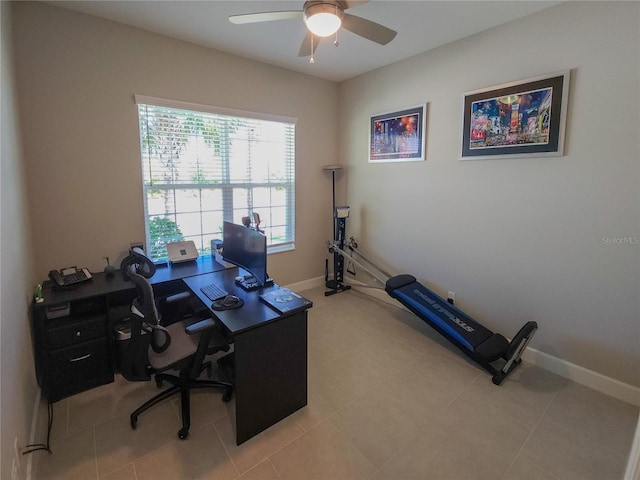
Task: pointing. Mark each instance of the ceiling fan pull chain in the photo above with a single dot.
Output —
(335, 42)
(311, 60)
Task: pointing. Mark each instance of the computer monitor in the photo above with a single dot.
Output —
(247, 249)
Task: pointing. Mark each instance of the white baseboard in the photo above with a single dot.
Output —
(607, 385)
(306, 284)
(633, 464)
(32, 437)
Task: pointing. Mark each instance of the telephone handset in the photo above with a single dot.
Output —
(69, 276)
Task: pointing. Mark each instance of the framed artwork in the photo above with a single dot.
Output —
(519, 119)
(398, 136)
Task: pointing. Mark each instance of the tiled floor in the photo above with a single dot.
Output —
(388, 399)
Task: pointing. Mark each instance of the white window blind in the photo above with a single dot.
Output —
(200, 168)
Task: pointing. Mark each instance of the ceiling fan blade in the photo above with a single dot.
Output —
(344, 4)
(305, 47)
(370, 30)
(264, 16)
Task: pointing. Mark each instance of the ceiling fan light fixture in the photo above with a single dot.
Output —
(323, 19)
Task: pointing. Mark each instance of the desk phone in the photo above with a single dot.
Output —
(69, 276)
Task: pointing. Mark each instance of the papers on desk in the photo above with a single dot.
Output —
(283, 300)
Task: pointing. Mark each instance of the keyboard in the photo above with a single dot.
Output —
(214, 292)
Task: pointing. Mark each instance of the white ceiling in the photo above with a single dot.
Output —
(421, 26)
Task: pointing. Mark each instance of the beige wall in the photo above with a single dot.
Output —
(523, 239)
(18, 386)
(77, 77)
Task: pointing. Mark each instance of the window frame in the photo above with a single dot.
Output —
(227, 188)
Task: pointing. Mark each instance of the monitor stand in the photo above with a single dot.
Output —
(249, 284)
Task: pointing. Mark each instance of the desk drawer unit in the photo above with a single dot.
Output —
(75, 369)
(77, 332)
(73, 352)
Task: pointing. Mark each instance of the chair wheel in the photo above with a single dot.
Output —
(228, 393)
(183, 433)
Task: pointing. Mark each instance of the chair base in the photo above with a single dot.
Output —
(182, 385)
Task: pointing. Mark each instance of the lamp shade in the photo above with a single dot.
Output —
(323, 19)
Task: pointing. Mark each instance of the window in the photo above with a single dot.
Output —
(202, 165)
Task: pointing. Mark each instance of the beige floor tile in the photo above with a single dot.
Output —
(206, 407)
(564, 454)
(523, 469)
(594, 417)
(357, 374)
(445, 370)
(320, 353)
(95, 406)
(525, 394)
(442, 454)
(317, 296)
(200, 456)
(486, 426)
(415, 395)
(344, 339)
(391, 354)
(324, 398)
(263, 471)
(260, 447)
(372, 322)
(128, 472)
(73, 458)
(321, 453)
(118, 444)
(375, 427)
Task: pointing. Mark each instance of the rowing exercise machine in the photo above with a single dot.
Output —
(474, 340)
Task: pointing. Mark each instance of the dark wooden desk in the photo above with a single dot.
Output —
(270, 355)
(75, 352)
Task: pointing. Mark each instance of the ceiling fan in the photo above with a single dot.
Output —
(324, 18)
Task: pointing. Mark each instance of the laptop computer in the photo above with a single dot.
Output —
(182, 251)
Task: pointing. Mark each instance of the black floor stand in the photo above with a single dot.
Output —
(336, 285)
(339, 230)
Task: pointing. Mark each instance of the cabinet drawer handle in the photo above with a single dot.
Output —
(80, 358)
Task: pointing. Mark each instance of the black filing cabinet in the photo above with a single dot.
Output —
(72, 328)
(72, 335)
(71, 345)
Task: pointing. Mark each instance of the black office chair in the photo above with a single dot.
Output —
(154, 349)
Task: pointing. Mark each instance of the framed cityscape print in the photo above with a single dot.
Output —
(520, 119)
(398, 136)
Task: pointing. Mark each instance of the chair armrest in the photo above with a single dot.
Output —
(200, 326)
(178, 297)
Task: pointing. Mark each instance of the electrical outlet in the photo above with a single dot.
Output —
(451, 297)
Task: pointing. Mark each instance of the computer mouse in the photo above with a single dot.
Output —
(227, 303)
(230, 301)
